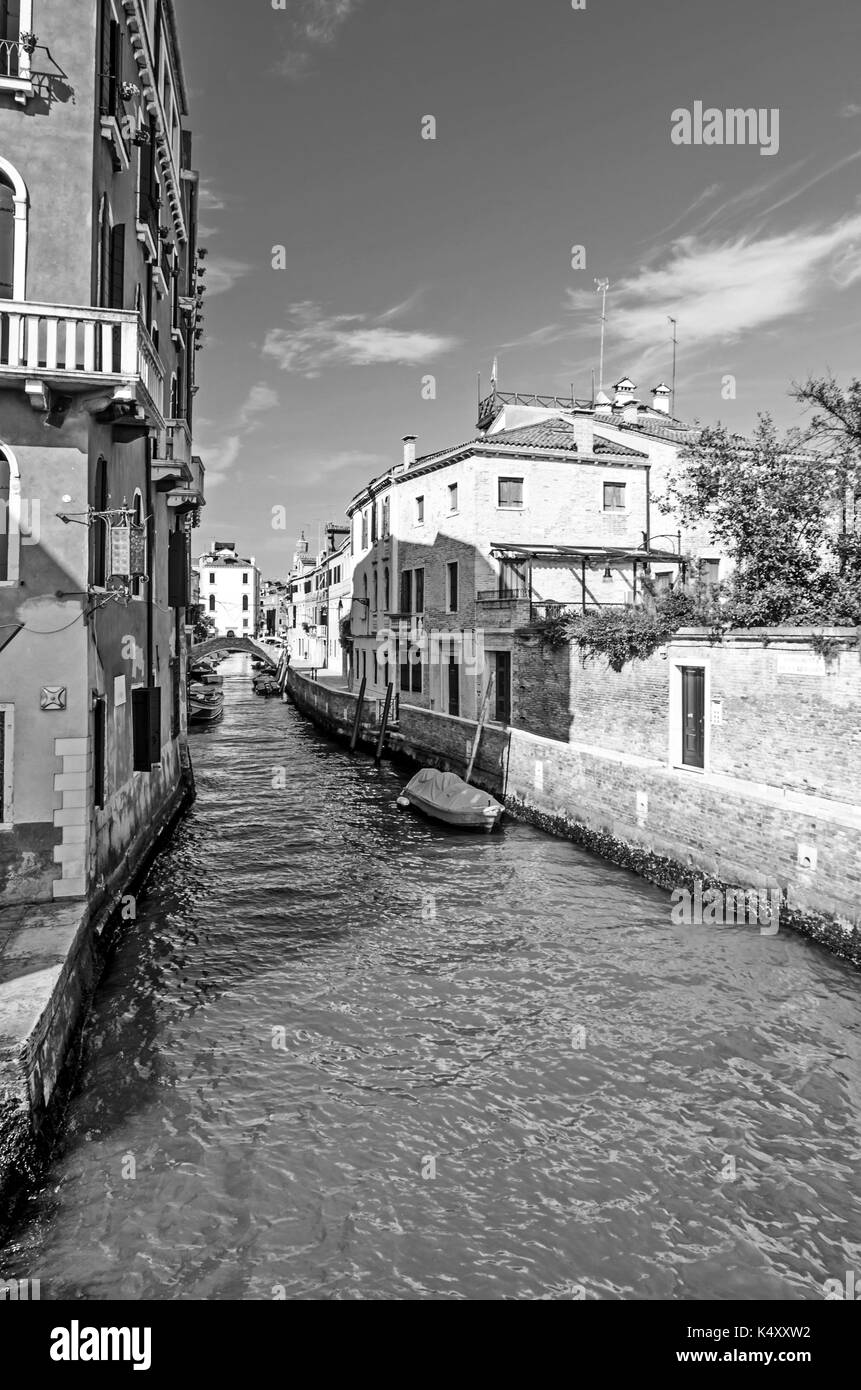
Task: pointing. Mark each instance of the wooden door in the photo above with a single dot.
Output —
(693, 716)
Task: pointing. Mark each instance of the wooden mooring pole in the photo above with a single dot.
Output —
(358, 720)
(384, 722)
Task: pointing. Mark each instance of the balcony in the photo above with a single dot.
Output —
(15, 73)
(69, 350)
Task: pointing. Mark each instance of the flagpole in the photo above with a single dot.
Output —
(602, 287)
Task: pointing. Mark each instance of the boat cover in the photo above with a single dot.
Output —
(448, 791)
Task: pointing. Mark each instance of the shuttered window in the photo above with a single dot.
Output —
(146, 728)
(99, 530)
(420, 591)
(178, 571)
(5, 488)
(117, 273)
(7, 240)
(109, 70)
(406, 591)
(10, 32)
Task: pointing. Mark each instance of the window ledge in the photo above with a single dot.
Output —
(23, 89)
(112, 133)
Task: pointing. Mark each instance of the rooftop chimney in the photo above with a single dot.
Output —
(409, 450)
(661, 398)
(626, 390)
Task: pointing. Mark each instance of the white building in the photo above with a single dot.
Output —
(229, 590)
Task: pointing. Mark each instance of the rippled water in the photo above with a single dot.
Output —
(426, 1122)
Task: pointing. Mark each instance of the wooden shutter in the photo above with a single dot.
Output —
(406, 591)
(107, 78)
(177, 571)
(146, 728)
(118, 266)
(10, 19)
(7, 242)
(420, 591)
(99, 750)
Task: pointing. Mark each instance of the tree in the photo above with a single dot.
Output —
(836, 424)
(769, 501)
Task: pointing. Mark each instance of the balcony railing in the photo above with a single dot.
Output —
(505, 595)
(14, 59)
(75, 348)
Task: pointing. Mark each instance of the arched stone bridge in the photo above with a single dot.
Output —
(231, 644)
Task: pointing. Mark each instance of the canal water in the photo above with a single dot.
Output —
(346, 1054)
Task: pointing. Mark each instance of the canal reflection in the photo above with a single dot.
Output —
(347, 1054)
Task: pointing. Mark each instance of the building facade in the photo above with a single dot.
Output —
(99, 487)
(230, 591)
(318, 604)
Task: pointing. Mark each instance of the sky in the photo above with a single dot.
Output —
(406, 258)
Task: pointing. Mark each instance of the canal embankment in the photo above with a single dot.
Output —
(51, 958)
(773, 808)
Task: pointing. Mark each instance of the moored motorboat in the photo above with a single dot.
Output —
(205, 712)
(448, 798)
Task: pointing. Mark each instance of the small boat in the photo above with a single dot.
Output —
(204, 712)
(446, 797)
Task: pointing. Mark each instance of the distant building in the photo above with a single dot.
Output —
(229, 590)
(318, 604)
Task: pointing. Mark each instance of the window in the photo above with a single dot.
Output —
(511, 581)
(406, 591)
(212, 603)
(386, 518)
(453, 682)
(245, 576)
(420, 591)
(452, 497)
(99, 748)
(374, 524)
(502, 687)
(6, 716)
(511, 492)
(212, 576)
(5, 514)
(376, 596)
(614, 497)
(244, 622)
(245, 603)
(364, 530)
(420, 511)
(13, 231)
(137, 517)
(100, 529)
(110, 63)
(386, 589)
(453, 604)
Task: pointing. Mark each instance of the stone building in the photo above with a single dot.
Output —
(318, 604)
(230, 589)
(99, 291)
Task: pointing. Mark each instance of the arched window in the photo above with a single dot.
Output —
(13, 233)
(10, 518)
(386, 604)
(212, 603)
(245, 603)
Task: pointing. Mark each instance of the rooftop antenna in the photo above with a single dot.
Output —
(602, 287)
(673, 322)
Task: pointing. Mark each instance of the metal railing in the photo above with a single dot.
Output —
(504, 595)
(14, 60)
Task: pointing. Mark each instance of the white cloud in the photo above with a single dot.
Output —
(721, 291)
(219, 461)
(209, 198)
(852, 108)
(315, 24)
(260, 399)
(222, 273)
(314, 341)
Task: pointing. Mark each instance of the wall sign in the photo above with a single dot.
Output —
(53, 697)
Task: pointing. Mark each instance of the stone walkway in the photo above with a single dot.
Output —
(35, 943)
